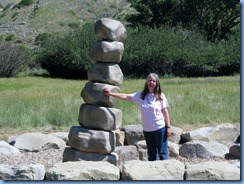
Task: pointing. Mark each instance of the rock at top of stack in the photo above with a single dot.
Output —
(109, 29)
(109, 47)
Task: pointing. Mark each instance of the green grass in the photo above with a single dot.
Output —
(35, 103)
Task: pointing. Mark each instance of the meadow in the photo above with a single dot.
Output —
(46, 104)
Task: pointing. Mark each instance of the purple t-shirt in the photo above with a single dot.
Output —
(151, 111)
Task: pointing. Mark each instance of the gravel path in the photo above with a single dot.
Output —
(47, 157)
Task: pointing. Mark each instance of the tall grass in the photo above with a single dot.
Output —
(35, 102)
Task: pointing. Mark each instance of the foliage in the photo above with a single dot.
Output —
(12, 59)
(24, 3)
(66, 56)
(178, 53)
(216, 19)
(10, 38)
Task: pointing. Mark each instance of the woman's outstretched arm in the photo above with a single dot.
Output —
(121, 96)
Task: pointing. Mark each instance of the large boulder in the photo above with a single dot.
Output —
(83, 170)
(71, 154)
(107, 51)
(22, 172)
(36, 141)
(93, 93)
(203, 149)
(109, 29)
(99, 117)
(109, 73)
(133, 134)
(6, 149)
(126, 153)
(89, 140)
(156, 170)
(212, 170)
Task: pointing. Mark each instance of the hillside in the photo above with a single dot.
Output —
(54, 16)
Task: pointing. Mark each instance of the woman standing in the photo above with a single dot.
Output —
(154, 115)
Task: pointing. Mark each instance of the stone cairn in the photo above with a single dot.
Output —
(95, 138)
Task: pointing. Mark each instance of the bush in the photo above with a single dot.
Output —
(66, 56)
(177, 52)
(166, 51)
(12, 59)
(24, 3)
(10, 38)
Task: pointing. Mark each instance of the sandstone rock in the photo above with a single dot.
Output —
(156, 170)
(224, 133)
(61, 135)
(22, 172)
(133, 134)
(120, 137)
(88, 140)
(107, 51)
(93, 93)
(71, 154)
(6, 149)
(109, 29)
(83, 170)
(200, 134)
(126, 153)
(173, 149)
(202, 149)
(99, 117)
(212, 170)
(109, 73)
(37, 141)
(142, 150)
(176, 135)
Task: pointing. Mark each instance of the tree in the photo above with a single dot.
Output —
(216, 19)
(152, 13)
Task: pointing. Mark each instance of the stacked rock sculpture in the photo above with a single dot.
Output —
(95, 138)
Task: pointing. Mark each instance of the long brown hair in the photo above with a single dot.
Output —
(157, 90)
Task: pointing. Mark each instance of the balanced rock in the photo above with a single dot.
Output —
(109, 73)
(99, 117)
(107, 51)
(71, 154)
(93, 93)
(109, 29)
(88, 140)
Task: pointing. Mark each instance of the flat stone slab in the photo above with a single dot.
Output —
(156, 170)
(83, 170)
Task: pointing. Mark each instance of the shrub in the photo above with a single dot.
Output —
(177, 52)
(24, 3)
(10, 38)
(66, 56)
(12, 59)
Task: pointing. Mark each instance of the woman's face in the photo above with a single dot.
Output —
(151, 83)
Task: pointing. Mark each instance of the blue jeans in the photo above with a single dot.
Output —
(157, 144)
